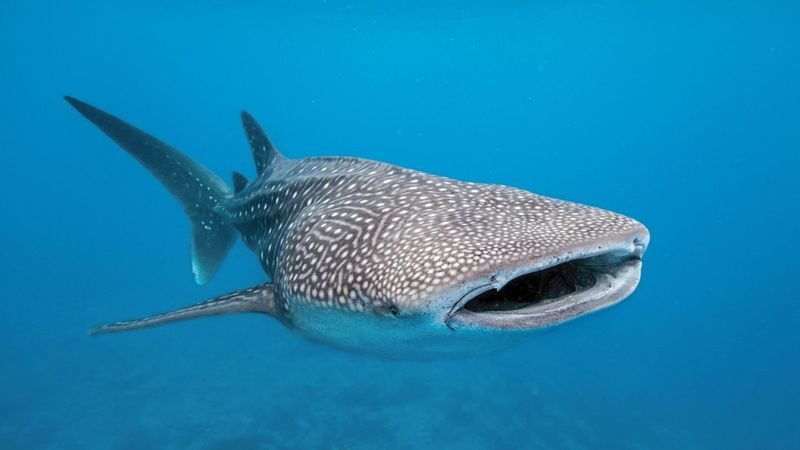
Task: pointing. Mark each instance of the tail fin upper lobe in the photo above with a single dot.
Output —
(196, 188)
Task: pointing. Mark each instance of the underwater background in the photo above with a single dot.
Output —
(682, 114)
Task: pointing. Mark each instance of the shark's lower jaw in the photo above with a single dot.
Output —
(550, 295)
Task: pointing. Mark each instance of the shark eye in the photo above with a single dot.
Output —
(393, 309)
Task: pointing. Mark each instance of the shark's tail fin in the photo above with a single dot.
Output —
(196, 188)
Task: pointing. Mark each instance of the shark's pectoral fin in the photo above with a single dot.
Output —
(260, 299)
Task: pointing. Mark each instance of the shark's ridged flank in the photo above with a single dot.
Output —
(196, 188)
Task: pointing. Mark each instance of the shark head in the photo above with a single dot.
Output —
(507, 259)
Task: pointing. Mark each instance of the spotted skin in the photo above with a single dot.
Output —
(361, 235)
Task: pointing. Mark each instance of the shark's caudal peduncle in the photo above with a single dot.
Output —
(369, 256)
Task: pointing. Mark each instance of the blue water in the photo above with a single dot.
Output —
(684, 115)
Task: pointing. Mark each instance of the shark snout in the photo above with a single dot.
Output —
(554, 288)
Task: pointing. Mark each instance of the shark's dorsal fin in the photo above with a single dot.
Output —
(239, 182)
(264, 153)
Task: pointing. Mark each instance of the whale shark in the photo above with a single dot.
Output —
(370, 257)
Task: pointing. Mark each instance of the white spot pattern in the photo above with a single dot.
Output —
(362, 235)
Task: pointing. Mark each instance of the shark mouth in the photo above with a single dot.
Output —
(544, 295)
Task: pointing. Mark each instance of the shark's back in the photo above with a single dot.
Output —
(322, 228)
(296, 193)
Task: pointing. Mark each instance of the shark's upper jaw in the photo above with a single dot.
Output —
(551, 291)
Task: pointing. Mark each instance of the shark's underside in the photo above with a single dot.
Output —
(369, 256)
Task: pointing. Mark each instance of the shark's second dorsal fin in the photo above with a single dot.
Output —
(239, 182)
(264, 153)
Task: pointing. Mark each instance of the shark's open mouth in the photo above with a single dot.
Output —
(544, 286)
(553, 294)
